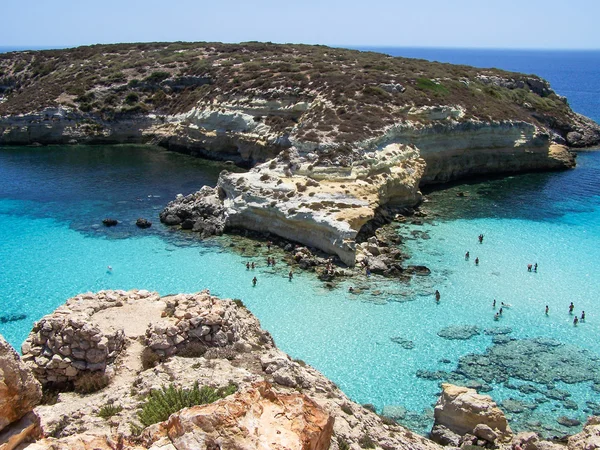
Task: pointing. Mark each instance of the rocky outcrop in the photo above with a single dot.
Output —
(254, 419)
(19, 394)
(280, 403)
(301, 198)
(19, 390)
(462, 411)
(589, 438)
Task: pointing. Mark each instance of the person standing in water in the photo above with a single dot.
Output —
(437, 295)
(290, 275)
(494, 304)
(477, 261)
(575, 321)
(582, 316)
(547, 309)
(254, 280)
(571, 308)
(481, 238)
(467, 256)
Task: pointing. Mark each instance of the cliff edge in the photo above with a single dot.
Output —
(332, 135)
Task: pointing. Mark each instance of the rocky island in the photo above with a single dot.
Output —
(331, 136)
(122, 370)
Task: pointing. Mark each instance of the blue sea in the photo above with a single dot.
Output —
(390, 345)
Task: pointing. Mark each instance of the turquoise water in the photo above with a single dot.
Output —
(54, 248)
(382, 346)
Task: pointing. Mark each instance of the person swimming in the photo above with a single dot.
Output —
(496, 316)
(505, 305)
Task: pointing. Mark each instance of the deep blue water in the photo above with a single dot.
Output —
(52, 201)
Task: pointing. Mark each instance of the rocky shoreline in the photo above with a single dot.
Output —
(108, 351)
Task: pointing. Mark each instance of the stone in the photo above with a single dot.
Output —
(26, 429)
(257, 418)
(461, 409)
(444, 436)
(143, 223)
(20, 392)
(568, 422)
(110, 222)
(484, 432)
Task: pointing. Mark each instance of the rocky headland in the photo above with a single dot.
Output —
(332, 136)
(90, 370)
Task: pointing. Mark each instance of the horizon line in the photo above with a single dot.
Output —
(33, 47)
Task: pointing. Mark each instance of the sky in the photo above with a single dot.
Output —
(528, 24)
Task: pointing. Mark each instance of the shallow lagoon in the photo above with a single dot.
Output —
(373, 345)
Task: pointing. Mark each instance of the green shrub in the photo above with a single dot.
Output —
(109, 410)
(90, 382)
(426, 84)
(342, 444)
(365, 441)
(149, 358)
(160, 404)
(132, 98)
(239, 303)
(157, 77)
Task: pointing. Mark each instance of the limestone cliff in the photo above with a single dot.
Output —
(332, 135)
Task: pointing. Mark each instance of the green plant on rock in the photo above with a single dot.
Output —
(109, 410)
(365, 441)
(160, 404)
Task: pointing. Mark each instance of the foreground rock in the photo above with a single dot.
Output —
(20, 392)
(461, 411)
(196, 338)
(254, 419)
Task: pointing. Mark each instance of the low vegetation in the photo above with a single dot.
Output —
(160, 404)
(354, 93)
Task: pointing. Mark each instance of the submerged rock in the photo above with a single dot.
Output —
(459, 332)
(110, 222)
(403, 342)
(143, 223)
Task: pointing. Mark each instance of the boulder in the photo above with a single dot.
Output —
(444, 436)
(461, 409)
(256, 418)
(110, 222)
(143, 223)
(26, 429)
(20, 392)
(589, 438)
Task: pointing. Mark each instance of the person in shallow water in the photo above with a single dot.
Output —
(497, 316)
(252, 265)
(467, 256)
(571, 308)
(529, 267)
(290, 275)
(547, 309)
(500, 311)
(481, 238)
(247, 266)
(535, 267)
(437, 295)
(477, 261)
(582, 316)
(575, 321)
(254, 280)
(494, 304)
